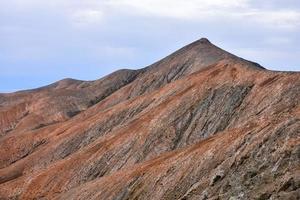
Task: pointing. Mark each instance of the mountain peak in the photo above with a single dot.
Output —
(204, 41)
(196, 56)
(201, 43)
(193, 57)
(130, 134)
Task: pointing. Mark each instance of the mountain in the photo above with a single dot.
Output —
(199, 124)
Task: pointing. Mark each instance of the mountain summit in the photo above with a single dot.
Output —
(199, 124)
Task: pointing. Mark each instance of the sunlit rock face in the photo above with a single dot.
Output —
(198, 124)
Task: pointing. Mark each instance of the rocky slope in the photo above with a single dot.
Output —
(199, 124)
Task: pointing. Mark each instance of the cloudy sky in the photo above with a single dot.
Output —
(44, 41)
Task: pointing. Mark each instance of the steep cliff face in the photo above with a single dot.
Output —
(199, 124)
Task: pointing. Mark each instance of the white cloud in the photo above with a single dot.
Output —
(86, 17)
(280, 19)
(87, 14)
(181, 9)
(201, 10)
(90, 12)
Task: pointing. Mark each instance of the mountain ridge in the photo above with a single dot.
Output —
(202, 43)
(186, 127)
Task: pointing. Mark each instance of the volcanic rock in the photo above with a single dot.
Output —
(199, 124)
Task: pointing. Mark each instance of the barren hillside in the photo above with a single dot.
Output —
(198, 124)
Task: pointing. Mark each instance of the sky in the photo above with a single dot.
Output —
(44, 41)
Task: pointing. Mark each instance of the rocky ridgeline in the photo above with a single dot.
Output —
(199, 124)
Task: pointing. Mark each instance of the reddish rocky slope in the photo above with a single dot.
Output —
(199, 124)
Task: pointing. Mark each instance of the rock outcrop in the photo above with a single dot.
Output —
(199, 124)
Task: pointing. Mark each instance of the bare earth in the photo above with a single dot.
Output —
(199, 124)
